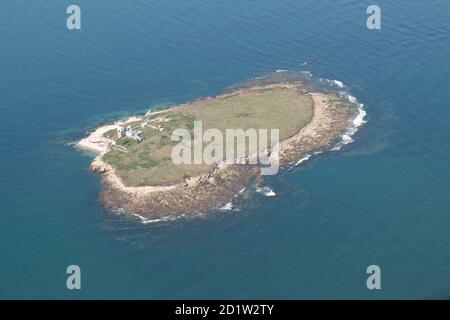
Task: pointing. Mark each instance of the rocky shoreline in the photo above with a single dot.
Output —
(212, 191)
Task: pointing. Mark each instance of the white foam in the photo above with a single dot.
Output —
(352, 99)
(227, 207)
(144, 220)
(329, 82)
(338, 83)
(359, 120)
(355, 124)
(346, 139)
(336, 147)
(266, 191)
(119, 211)
(268, 75)
(260, 78)
(305, 158)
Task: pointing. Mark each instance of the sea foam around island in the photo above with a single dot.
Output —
(355, 123)
(333, 85)
(144, 220)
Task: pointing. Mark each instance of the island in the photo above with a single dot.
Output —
(134, 155)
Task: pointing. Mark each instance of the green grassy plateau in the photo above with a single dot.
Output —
(149, 163)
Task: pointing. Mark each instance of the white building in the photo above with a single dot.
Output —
(127, 131)
(137, 135)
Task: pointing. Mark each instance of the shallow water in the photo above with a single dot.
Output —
(382, 199)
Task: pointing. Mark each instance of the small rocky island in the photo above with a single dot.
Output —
(134, 155)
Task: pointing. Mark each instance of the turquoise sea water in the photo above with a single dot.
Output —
(383, 199)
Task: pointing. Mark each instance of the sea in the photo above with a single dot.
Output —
(382, 197)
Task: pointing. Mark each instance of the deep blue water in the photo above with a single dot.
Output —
(382, 200)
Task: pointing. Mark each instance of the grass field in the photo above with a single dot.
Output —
(149, 162)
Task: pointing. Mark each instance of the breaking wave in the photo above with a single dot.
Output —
(227, 207)
(266, 191)
(332, 83)
(305, 158)
(144, 220)
(354, 125)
